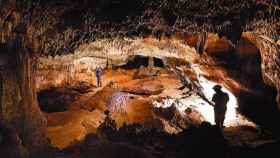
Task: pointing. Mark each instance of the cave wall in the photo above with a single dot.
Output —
(52, 74)
(66, 70)
(20, 112)
(270, 66)
(254, 61)
(80, 66)
(21, 122)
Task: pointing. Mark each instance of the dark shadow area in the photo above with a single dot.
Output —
(133, 141)
(173, 62)
(247, 64)
(54, 100)
(262, 109)
(258, 103)
(136, 62)
(59, 99)
(158, 62)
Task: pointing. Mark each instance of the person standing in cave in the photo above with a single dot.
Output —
(220, 99)
(98, 73)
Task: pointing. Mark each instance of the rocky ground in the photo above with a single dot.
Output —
(154, 107)
(245, 63)
(150, 101)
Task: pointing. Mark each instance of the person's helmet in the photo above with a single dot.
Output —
(217, 87)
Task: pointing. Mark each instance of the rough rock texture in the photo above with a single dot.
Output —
(54, 32)
(243, 61)
(19, 107)
(47, 28)
(269, 51)
(144, 87)
(59, 99)
(253, 62)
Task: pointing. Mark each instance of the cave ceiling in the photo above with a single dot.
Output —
(57, 27)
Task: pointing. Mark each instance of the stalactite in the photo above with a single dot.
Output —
(202, 37)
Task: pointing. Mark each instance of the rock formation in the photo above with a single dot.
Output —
(92, 29)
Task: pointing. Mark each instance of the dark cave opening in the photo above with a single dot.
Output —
(58, 99)
(53, 100)
(158, 62)
(136, 62)
(261, 108)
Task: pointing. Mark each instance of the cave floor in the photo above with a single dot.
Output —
(131, 96)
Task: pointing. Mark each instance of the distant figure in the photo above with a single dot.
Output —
(98, 73)
(220, 99)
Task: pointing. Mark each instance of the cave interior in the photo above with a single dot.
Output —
(159, 64)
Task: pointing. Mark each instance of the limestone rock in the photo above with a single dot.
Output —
(144, 87)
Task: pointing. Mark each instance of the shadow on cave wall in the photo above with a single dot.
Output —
(259, 102)
(248, 66)
(261, 108)
(137, 61)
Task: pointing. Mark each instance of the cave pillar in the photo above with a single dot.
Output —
(19, 107)
(109, 63)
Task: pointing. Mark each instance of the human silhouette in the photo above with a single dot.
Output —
(220, 99)
(98, 73)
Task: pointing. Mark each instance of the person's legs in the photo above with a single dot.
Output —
(100, 83)
(221, 121)
(223, 116)
(217, 119)
(97, 81)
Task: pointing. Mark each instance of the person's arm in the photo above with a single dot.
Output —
(227, 97)
(214, 98)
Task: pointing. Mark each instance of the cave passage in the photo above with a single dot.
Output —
(53, 100)
(137, 61)
(145, 93)
(158, 62)
(139, 78)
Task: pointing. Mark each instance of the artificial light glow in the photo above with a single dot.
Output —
(232, 117)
